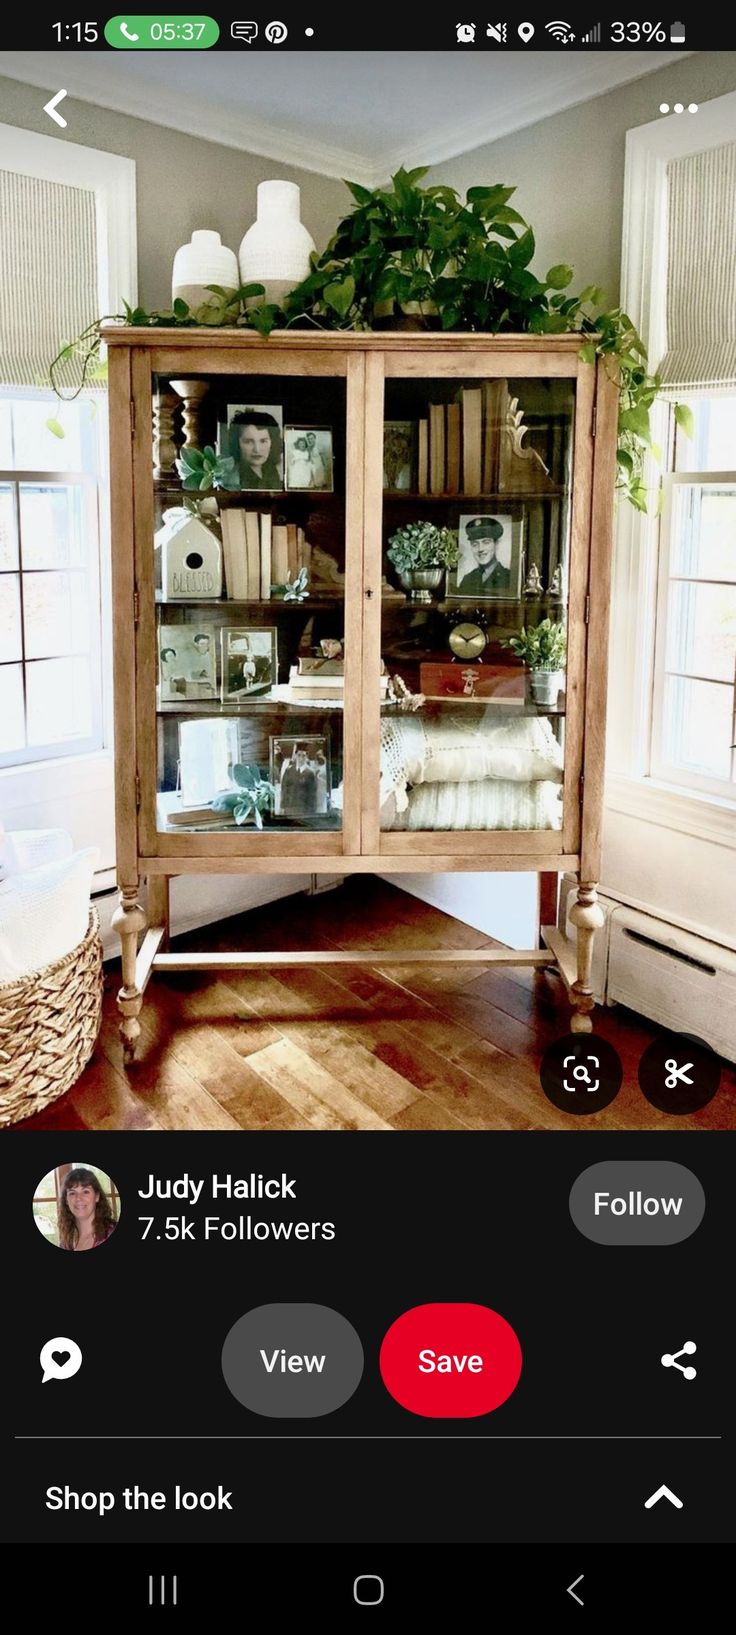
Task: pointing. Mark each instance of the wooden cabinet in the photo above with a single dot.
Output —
(376, 724)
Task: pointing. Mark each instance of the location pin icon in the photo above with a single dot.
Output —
(525, 32)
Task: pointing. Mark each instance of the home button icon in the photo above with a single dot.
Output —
(368, 1590)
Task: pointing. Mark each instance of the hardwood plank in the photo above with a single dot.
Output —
(169, 1091)
(316, 1095)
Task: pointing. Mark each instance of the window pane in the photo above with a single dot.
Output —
(55, 614)
(704, 532)
(35, 447)
(59, 696)
(6, 437)
(8, 536)
(702, 630)
(12, 718)
(11, 646)
(698, 719)
(50, 530)
(713, 448)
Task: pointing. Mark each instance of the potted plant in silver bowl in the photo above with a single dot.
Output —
(542, 648)
(421, 553)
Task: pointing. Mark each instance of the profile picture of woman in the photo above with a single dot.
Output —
(256, 443)
(76, 1207)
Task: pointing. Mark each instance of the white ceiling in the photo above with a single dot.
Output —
(356, 114)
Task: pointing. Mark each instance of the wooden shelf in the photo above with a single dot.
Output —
(310, 603)
(255, 706)
(555, 492)
(511, 709)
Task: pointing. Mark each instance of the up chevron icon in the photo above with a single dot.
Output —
(663, 1493)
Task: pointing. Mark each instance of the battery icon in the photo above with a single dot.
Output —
(677, 34)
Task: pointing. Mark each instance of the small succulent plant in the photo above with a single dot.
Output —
(253, 796)
(294, 590)
(203, 468)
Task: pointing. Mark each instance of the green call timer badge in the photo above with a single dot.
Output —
(162, 33)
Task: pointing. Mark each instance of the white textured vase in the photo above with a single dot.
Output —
(206, 260)
(276, 249)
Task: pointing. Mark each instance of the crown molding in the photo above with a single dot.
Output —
(86, 81)
(89, 78)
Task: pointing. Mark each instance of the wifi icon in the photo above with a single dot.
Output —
(561, 32)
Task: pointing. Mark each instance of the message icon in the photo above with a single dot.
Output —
(244, 31)
(60, 1359)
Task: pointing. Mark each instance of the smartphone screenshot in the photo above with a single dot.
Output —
(368, 812)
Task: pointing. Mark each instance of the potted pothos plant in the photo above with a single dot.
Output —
(543, 648)
(421, 552)
(406, 253)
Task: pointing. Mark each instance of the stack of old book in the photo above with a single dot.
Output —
(258, 553)
(459, 444)
(322, 678)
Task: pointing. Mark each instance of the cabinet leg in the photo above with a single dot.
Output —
(129, 920)
(157, 904)
(587, 918)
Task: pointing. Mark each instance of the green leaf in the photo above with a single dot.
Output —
(520, 253)
(56, 428)
(636, 420)
(625, 460)
(362, 195)
(181, 308)
(560, 276)
(340, 296)
(685, 419)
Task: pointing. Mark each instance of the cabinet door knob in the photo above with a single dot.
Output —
(368, 595)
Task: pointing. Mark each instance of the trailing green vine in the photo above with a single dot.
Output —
(424, 255)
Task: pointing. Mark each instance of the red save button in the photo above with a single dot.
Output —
(450, 1360)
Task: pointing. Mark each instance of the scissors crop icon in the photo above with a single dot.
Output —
(581, 1074)
(677, 1075)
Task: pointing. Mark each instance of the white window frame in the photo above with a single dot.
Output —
(660, 768)
(630, 788)
(30, 792)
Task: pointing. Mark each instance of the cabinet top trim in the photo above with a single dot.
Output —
(340, 340)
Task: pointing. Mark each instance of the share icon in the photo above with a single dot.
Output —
(669, 1360)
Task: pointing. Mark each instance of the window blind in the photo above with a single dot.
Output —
(701, 272)
(48, 276)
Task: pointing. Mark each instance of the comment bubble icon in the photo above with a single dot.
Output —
(60, 1359)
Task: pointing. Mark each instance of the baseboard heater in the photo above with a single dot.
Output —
(674, 977)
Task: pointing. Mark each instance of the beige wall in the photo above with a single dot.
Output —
(182, 181)
(569, 169)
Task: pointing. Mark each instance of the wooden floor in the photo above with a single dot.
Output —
(446, 1048)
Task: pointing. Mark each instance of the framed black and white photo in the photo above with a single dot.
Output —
(490, 560)
(254, 435)
(300, 774)
(309, 458)
(249, 662)
(399, 458)
(187, 663)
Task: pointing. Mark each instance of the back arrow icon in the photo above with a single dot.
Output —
(663, 1493)
(571, 1588)
(51, 107)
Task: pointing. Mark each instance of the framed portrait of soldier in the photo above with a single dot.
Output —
(489, 564)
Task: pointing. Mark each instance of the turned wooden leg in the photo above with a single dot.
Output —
(129, 920)
(587, 918)
(157, 904)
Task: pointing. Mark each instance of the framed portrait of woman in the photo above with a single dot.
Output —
(254, 435)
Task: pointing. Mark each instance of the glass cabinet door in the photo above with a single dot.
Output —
(474, 603)
(249, 587)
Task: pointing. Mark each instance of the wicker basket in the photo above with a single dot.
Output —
(49, 1022)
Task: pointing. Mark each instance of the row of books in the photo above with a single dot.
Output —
(460, 444)
(258, 553)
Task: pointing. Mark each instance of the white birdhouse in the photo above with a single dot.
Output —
(191, 557)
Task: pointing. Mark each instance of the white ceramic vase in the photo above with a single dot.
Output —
(206, 260)
(276, 249)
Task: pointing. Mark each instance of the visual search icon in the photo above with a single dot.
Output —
(581, 1073)
(671, 1360)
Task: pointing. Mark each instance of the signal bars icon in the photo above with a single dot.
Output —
(593, 36)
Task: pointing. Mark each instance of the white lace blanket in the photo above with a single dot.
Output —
(456, 750)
